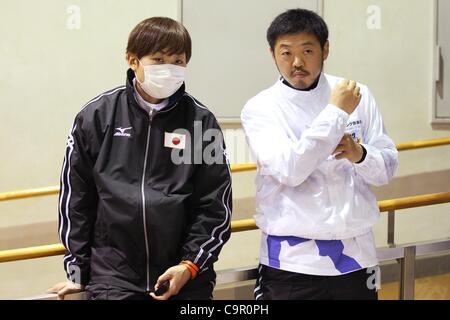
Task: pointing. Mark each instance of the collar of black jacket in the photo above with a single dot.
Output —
(173, 99)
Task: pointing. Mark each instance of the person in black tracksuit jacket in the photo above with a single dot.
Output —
(128, 213)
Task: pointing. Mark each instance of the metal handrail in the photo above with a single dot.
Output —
(240, 225)
(404, 254)
(384, 254)
(243, 167)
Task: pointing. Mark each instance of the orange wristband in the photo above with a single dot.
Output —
(192, 267)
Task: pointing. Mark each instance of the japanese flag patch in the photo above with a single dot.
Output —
(174, 140)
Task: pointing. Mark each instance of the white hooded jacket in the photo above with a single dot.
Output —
(302, 190)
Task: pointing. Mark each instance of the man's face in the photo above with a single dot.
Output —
(299, 58)
(155, 58)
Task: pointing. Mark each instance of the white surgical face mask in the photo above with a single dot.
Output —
(162, 80)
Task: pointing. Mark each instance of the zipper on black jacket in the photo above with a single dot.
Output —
(147, 251)
(143, 201)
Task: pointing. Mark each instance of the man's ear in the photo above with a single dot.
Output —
(132, 61)
(326, 50)
(272, 53)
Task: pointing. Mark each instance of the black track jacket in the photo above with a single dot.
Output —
(127, 212)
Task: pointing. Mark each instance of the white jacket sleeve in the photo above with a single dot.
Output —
(284, 157)
(381, 161)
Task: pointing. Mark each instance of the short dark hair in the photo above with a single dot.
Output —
(297, 21)
(158, 34)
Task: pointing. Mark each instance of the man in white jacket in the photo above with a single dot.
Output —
(320, 144)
